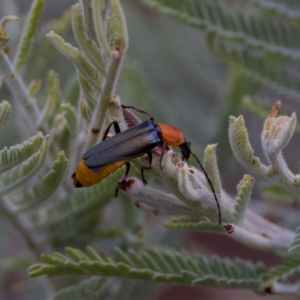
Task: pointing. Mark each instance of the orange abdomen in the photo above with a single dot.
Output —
(172, 135)
(87, 177)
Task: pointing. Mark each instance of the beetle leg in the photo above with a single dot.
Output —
(139, 110)
(124, 178)
(127, 171)
(116, 127)
(146, 168)
(162, 154)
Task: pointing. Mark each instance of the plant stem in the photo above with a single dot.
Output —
(284, 288)
(109, 84)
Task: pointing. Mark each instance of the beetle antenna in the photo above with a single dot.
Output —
(139, 110)
(210, 183)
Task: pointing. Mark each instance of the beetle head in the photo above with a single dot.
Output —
(185, 150)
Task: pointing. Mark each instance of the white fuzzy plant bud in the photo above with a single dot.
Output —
(192, 195)
(192, 188)
(241, 147)
(276, 134)
(211, 168)
(277, 131)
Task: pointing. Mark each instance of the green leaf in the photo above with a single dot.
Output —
(295, 245)
(87, 45)
(80, 62)
(90, 94)
(160, 265)
(71, 92)
(98, 9)
(64, 128)
(278, 9)
(45, 187)
(60, 133)
(118, 26)
(193, 223)
(65, 215)
(258, 67)
(291, 263)
(244, 189)
(70, 114)
(20, 174)
(3, 33)
(5, 110)
(211, 168)
(51, 103)
(256, 106)
(39, 67)
(28, 33)
(277, 194)
(3, 23)
(241, 147)
(34, 87)
(17, 154)
(83, 108)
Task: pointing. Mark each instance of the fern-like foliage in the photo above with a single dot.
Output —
(89, 47)
(76, 56)
(156, 264)
(34, 87)
(258, 67)
(5, 110)
(66, 216)
(193, 224)
(52, 102)
(242, 199)
(261, 48)
(216, 18)
(70, 114)
(89, 93)
(49, 210)
(28, 33)
(291, 263)
(13, 178)
(17, 154)
(280, 9)
(45, 187)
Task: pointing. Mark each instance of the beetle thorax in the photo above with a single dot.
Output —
(172, 135)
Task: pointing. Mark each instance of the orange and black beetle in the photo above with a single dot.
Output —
(111, 154)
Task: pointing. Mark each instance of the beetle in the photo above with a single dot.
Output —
(113, 153)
